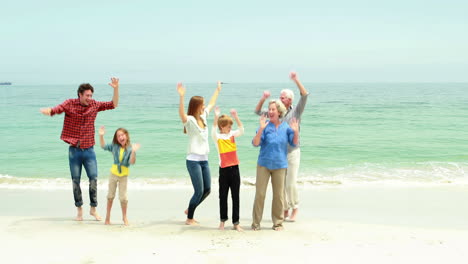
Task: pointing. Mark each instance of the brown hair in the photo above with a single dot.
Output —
(194, 106)
(224, 120)
(125, 131)
(83, 87)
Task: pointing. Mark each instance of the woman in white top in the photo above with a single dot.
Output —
(197, 152)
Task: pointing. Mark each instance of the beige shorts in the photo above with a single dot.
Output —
(122, 183)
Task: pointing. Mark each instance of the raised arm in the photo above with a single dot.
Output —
(258, 108)
(216, 117)
(258, 137)
(181, 92)
(135, 148)
(240, 126)
(102, 131)
(214, 97)
(293, 76)
(115, 97)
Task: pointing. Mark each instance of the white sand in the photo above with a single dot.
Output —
(335, 225)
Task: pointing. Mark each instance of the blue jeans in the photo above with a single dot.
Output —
(201, 180)
(86, 158)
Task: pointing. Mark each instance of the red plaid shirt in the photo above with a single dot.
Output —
(78, 125)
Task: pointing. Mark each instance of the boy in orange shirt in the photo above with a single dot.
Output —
(229, 176)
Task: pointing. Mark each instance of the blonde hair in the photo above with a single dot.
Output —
(279, 106)
(224, 120)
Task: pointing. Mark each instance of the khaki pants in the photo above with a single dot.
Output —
(277, 182)
(122, 183)
(291, 198)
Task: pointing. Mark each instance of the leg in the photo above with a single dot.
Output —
(277, 182)
(108, 212)
(74, 159)
(223, 195)
(286, 204)
(110, 196)
(294, 160)
(234, 185)
(261, 183)
(90, 165)
(124, 212)
(235, 188)
(206, 175)
(195, 172)
(123, 198)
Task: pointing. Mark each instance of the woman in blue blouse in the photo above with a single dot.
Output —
(273, 137)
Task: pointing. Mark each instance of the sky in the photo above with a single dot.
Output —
(147, 41)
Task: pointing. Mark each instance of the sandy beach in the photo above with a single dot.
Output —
(335, 225)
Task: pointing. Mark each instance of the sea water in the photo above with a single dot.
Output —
(351, 133)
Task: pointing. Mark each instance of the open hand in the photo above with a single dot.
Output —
(217, 111)
(114, 82)
(234, 113)
(180, 89)
(135, 147)
(294, 124)
(102, 131)
(45, 111)
(263, 121)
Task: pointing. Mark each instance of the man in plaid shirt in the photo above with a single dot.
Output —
(78, 132)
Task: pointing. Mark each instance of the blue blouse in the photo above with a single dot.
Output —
(274, 146)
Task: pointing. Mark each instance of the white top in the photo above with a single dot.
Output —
(198, 137)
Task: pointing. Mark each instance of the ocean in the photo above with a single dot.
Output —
(352, 134)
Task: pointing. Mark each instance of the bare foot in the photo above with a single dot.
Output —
(255, 228)
(79, 215)
(125, 220)
(293, 215)
(221, 226)
(191, 222)
(286, 214)
(238, 228)
(107, 222)
(95, 214)
(278, 228)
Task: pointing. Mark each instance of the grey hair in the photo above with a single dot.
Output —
(279, 106)
(289, 94)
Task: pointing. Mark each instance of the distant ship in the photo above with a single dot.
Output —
(5, 83)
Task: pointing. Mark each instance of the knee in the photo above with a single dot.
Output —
(223, 195)
(260, 196)
(123, 198)
(198, 195)
(93, 183)
(76, 181)
(92, 176)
